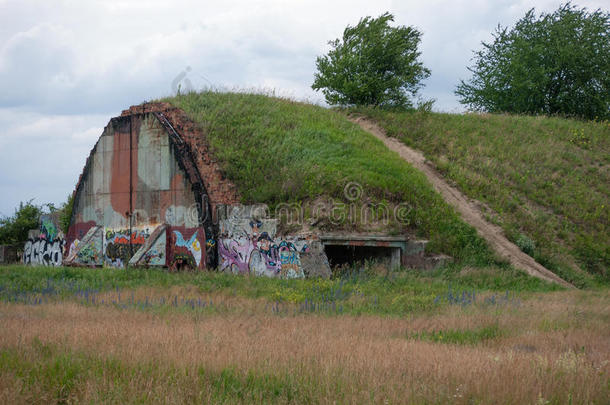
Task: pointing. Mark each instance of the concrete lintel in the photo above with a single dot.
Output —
(365, 240)
(363, 237)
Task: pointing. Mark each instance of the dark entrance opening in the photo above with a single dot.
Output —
(342, 255)
(355, 249)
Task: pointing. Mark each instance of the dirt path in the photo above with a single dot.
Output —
(470, 212)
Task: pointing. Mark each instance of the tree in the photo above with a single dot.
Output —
(558, 63)
(65, 214)
(14, 230)
(374, 64)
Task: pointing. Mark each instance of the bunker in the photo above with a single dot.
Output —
(152, 194)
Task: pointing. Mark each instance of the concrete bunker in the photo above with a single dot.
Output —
(151, 194)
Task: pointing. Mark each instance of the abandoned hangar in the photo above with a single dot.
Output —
(151, 194)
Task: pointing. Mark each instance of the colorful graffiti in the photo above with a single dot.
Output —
(192, 245)
(259, 254)
(121, 244)
(289, 259)
(88, 249)
(185, 248)
(73, 247)
(140, 174)
(88, 254)
(48, 230)
(155, 255)
(77, 232)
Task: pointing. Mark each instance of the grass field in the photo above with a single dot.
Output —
(146, 336)
(545, 180)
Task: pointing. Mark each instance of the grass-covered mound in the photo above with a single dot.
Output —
(277, 151)
(547, 179)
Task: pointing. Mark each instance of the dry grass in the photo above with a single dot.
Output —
(553, 347)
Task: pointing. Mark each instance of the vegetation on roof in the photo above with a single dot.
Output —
(276, 151)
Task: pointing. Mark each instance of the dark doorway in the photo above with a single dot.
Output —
(342, 255)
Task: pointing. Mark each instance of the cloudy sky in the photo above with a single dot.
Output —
(67, 67)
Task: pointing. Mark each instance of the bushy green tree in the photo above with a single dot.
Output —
(557, 63)
(374, 64)
(14, 229)
(65, 214)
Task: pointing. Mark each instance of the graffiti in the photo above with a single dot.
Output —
(48, 230)
(73, 247)
(185, 248)
(76, 233)
(43, 252)
(124, 237)
(289, 259)
(183, 261)
(121, 244)
(234, 255)
(88, 249)
(256, 252)
(88, 254)
(155, 256)
(192, 245)
(45, 246)
(118, 263)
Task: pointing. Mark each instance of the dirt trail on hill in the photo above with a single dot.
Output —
(493, 234)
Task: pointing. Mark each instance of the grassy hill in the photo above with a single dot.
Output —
(278, 151)
(546, 181)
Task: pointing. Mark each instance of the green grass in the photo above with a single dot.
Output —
(279, 151)
(546, 179)
(361, 292)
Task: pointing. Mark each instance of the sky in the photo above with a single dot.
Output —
(67, 67)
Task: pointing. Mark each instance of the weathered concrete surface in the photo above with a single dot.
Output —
(314, 261)
(150, 168)
(152, 253)
(219, 189)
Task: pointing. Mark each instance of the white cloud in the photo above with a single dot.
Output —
(41, 156)
(66, 67)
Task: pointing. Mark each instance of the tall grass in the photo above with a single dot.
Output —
(546, 180)
(553, 349)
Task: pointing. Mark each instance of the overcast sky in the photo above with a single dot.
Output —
(67, 67)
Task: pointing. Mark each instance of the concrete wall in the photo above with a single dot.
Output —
(45, 246)
(248, 244)
(136, 180)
